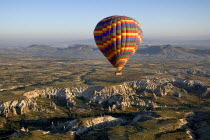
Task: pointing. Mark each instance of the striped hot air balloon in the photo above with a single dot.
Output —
(118, 38)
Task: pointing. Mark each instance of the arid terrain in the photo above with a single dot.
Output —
(73, 93)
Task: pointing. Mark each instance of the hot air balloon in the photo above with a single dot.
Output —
(118, 37)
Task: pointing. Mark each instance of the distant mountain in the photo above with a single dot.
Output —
(39, 49)
(200, 52)
(199, 44)
(79, 51)
(73, 51)
(169, 51)
(92, 52)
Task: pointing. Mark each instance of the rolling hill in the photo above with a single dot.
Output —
(91, 52)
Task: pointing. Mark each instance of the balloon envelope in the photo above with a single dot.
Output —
(118, 38)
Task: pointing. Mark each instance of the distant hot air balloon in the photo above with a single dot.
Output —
(118, 38)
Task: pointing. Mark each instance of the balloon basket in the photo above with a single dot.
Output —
(118, 73)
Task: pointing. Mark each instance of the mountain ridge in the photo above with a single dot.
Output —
(92, 52)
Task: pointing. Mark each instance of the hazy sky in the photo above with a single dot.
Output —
(76, 19)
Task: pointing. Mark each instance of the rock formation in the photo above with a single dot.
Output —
(15, 107)
(198, 126)
(119, 96)
(79, 127)
(124, 95)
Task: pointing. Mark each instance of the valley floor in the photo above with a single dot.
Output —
(50, 97)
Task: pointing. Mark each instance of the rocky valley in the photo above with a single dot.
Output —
(157, 97)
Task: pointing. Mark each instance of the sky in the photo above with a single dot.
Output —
(67, 20)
